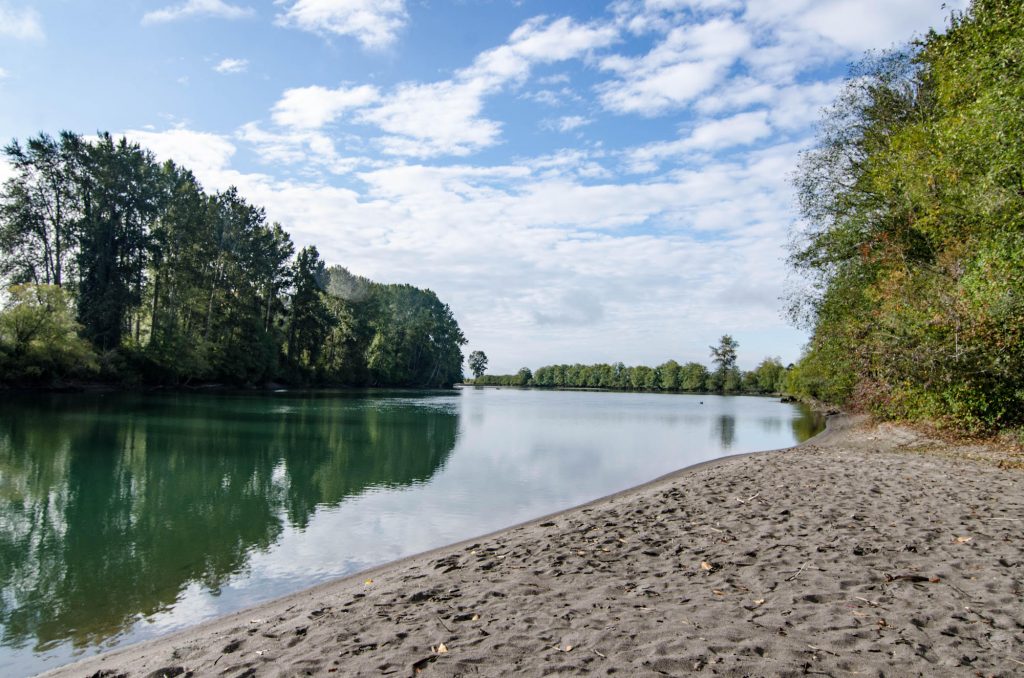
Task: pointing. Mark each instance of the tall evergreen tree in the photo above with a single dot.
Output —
(309, 319)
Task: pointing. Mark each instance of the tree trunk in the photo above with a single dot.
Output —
(153, 324)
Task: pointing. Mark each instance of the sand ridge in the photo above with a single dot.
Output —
(863, 552)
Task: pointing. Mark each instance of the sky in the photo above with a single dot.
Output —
(581, 181)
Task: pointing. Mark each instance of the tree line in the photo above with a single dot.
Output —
(769, 377)
(120, 268)
(913, 250)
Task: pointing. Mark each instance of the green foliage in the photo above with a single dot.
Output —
(171, 284)
(119, 192)
(477, 363)
(39, 338)
(724, 355)
(770, 377)
(417, 342)
(310, 319)
(669, 376)
(914, 199)
(726, 378)
(694, 377)
(38, 211)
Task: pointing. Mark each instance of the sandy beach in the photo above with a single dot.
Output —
(870, 550)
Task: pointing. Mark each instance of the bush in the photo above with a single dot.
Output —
(39, 340)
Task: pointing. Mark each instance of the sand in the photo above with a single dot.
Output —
(868, 551)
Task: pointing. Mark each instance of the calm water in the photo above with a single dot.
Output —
(123, 517)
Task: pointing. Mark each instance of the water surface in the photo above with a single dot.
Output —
(123, 517)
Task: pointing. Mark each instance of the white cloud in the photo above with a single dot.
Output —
(740, 129)
(301, 147)
(206, 154)
(540, 42)
(374, 23)
(434, 119)
(228, 66)
(568, 164)
(550, 97)
(557, 79)
(851, 26)
(676, 5)
(313, 107)
(739, 93)
(790, 107)
(3, 74)
(687, 63)
(20, 24)
(568, 123)
(445, 117)
(843, 21)
(196, 8)
(798, 106)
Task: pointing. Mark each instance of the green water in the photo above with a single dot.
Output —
(123, 517)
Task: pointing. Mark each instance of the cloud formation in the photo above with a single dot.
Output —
(229, 66)
(196, 8)
(444, 117)
(20, 23)
(313, 107)
(568, 123)
(686, 64)
(374, 23)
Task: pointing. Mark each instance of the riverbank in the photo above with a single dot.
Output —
(868, 549)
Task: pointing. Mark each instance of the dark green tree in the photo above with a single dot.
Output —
(120, 200)
(477, 363)
(172, 284)
(309, 318)
(726, 376)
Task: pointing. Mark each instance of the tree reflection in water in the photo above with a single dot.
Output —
(725, 429)
(113, 505)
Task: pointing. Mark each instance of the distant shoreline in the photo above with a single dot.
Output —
(830, 555)
(598, 389)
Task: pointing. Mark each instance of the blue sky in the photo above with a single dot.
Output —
(580, 181)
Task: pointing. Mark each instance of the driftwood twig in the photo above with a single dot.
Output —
(798, 571)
